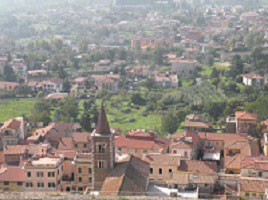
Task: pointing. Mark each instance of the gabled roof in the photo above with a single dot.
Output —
(246, 116)
(11, 124)
(162, 159)
(103, 124)
(12, 174)
(129, 177)
(197, 166)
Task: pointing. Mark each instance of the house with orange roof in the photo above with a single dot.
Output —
(138, 142)
(12, 179)
(12, 131)
(242, 122)
(252, 79)
(9, 86)
(185, 145)
(254, 167)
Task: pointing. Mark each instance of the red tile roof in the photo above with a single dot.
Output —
(127, 178)
(196, 166)
(11, 124)
(15, 149)
(81, 137)
(246, 116)
(12, 174)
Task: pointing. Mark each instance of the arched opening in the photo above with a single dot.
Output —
(68, 189)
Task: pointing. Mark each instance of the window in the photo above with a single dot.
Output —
(136, 150)
(19, 183)
(79, 170)
(29, 174)
(254, 194)
(75, 145)
(85, 145)
(119, 149)
(101, 148)
(80, 179)
(160, 170)
(260, 174)
(151, 170)
(90, 179)
(174, 151)
(6, 183)
(51, 174)
(170, 170)
(145, 151)
(101, 164)
(40, 185)
(51, 185)
(185, 154)
(29, 184)
(39, 174)
(80, 189)
(58, 171)
(89, 170)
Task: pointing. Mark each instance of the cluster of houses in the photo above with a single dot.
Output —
(195, 163)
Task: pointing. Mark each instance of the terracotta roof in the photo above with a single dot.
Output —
(246, 116)
(66, 143)
(11, 124)
(222, 137)
(69, 154)
(249, 185)
(103, 125)
(14, 149)
(185, 179)
(134, 143)
(162, 159)
(40, 71)
(12, 174)
(232, 162)
(192, 124)
(127, 178)
(196, 166)
(252, 76)
(186, 134)
(81, 137)
(257, 163)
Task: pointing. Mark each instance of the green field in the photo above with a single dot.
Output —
(10, 108)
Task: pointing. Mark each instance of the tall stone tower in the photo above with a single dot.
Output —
(103, 150)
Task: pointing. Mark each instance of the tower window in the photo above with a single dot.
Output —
(100, 164)
(101, 148)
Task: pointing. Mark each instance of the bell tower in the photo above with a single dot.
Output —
(103, 149)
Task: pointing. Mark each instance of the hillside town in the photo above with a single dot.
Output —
(129, 99)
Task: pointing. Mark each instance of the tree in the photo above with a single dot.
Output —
(9, 74)
(90, 115)
(158, 57)
(41, 112)
(237, 66)
(67, 111)
(169, 123)
(137, 99)
(214, 73)
(66, 86)
(150, 83)
(85, 122)
(61, 73)
(259, 106)
(214, 109)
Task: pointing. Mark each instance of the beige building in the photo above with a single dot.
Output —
(43, 174)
